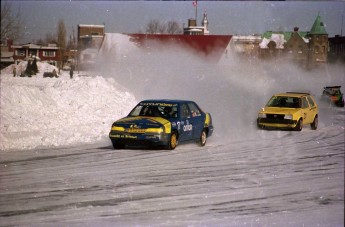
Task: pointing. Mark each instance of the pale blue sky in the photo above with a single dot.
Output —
(225, 17)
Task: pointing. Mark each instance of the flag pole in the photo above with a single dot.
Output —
(195, 4)
(196, 12)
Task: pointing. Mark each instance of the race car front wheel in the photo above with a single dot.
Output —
(173, 141)
(118, 145)
(203, 138)
(299, 125)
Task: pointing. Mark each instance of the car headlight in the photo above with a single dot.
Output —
(262, 115)
(117, 128)
(288, 116)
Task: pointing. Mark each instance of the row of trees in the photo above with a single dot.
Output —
(157, 27)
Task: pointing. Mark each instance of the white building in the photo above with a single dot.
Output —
(193, 29)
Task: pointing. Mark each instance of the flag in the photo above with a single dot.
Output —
(195, 3)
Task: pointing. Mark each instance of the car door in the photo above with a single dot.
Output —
(306, 111)
(184, 126)
(313, 109)
(197, 120)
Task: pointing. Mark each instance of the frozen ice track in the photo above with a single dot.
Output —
(284, 178)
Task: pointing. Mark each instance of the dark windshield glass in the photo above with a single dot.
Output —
(284, 101)
(164, 111)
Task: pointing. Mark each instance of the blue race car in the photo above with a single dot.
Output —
(162, 123)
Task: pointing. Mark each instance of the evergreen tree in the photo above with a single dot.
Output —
(34, 68)
(28, 71)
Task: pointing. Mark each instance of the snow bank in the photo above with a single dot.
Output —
(277, 38)
(39, 111)
(21, 66)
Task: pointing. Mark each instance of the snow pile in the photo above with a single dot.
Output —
(60, 111)
(21, 66)
(277, 38)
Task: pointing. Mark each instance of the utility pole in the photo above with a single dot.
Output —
(342, 24)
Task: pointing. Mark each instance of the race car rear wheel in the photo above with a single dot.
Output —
(315, 123)
(203, 138)
(299, 125)
(173, 141)
(342, 104)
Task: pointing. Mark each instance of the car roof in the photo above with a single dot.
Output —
(293, 94)
(166, 101)
(329, 87)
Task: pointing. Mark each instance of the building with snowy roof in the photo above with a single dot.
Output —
(90, 36)
(305, 47)
(28, 52)
(247, 45)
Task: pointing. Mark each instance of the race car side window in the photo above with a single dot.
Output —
(169, 112)
(305, 103)
(311, 101)
(185, 111)
(194, 109)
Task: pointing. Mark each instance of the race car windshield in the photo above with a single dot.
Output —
(154, 111)
(285, 102)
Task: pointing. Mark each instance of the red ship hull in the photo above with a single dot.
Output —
(211, 47)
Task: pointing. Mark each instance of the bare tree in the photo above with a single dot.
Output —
(174, 28)
(152, 27)
(40, 42)
(71, 44)
(162, 28)
(61, 41)
(11, 22)
(50, 38)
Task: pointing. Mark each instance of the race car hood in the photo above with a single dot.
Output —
(142, 122)
(278, 110)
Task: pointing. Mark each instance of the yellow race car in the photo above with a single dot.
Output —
(290, 110)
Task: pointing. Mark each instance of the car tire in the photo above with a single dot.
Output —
(342, 104)
(203, 138)
(172, 144)
(315, 123)
(258, 125)
(118, 146)
(299, 125)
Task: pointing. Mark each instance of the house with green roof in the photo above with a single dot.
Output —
(304, 47)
